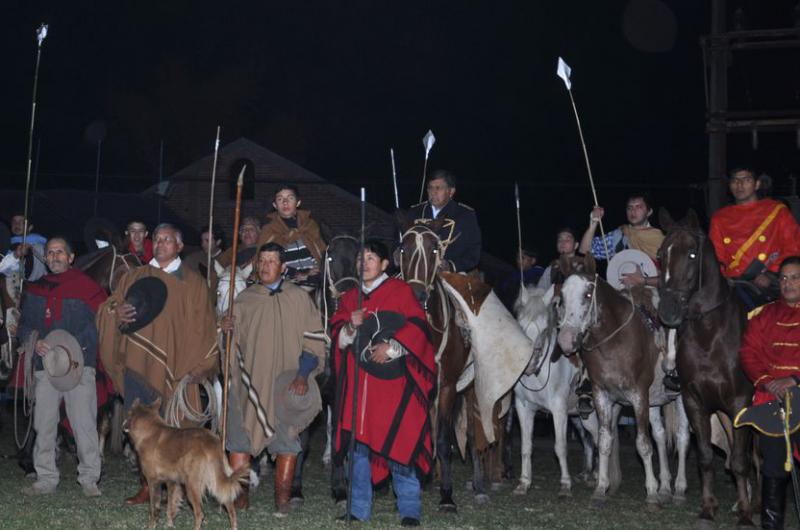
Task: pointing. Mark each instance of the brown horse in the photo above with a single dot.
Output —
(108, 265)
(619, 349)
(696, 299)
(421, 254)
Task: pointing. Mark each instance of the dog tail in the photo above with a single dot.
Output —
(225, 484)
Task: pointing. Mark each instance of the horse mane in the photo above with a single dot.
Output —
(532, 306)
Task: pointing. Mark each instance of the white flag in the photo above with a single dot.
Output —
(564, 71)
(41, 33)
(428, 142)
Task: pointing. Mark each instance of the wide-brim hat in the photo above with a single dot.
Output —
(378, 327)
(768, 418)
(148, 296)
(625, 262)
(63, 363)
(292, 411)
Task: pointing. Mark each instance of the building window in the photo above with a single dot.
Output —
(249, 188)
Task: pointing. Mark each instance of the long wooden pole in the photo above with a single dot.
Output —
(211, 210)
(519, 241)
(228, 335)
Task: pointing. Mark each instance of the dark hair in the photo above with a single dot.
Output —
(791, 260)
(135, 220)
(530, 251)
(286, 186)
(67, 244)
(377, 247)
(445, 175)
(567, 230)
(648, 202)
(217, 233)
(273, 247)
(740, 169)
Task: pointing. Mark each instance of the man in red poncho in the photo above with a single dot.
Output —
(397, 373)
(770, 354)
(751, 238)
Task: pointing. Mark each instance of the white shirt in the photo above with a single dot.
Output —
(171, 267)
(435, 211)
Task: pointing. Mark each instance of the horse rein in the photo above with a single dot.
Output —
(594, 319)
(114, 265)
(419, 259)
(333, 286)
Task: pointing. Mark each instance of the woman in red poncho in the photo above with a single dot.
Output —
(397, 374)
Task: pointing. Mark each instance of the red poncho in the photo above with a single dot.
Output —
(392, 417)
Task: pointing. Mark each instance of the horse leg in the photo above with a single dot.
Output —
(338, 483)
(444, 446)
(614, 466)
(588, 447)
(742, 438)
(700, 421)
(478, 480)
(643, 444)
(526, 412)
(559, 411)
(326, 455)
(508, 446)
(682, 438)
(603, 407)
(660, 436)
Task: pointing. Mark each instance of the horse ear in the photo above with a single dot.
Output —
(665, 219)
(156, 405)
(247, 270)
(691, 219)
(589, 264)
(218, 268)
(522, 299)
(402, 220)
(549, 294)
(436, 224)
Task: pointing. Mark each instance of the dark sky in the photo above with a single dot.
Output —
(332, 85)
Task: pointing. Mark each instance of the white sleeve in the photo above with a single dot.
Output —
(9, 264)
(346, 337)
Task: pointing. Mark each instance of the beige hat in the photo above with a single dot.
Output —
(64, 362)
(293, 411)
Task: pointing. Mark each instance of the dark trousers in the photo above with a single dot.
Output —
(773, 450)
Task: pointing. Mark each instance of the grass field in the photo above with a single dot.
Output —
(540, 508)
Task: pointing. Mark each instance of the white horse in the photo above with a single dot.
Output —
(224, 284)
(547, 386)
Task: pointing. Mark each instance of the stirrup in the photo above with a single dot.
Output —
(585, 406)
(671, 381)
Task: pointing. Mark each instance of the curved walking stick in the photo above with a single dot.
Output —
(228, 335)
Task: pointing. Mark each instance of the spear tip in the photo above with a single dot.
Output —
(240, 182)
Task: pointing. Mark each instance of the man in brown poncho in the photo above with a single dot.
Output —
(180, 342)
(276, 329)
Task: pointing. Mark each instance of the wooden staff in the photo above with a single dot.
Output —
(231, 290)
(356, 357)
(519, 241)
(427, 141)
(211, 211)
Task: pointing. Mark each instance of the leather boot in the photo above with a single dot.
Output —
(238, 461)
(142, 496)
(773, 502)
(284, 474)
(585, 402)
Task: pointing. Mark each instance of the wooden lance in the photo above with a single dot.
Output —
(211, 211)
(519, 241)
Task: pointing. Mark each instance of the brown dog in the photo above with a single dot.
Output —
(192, 457)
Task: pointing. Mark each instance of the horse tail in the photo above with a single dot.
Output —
(671, 424)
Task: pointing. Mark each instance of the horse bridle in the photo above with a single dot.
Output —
(419, 259)
(594, 319)
(114, 264)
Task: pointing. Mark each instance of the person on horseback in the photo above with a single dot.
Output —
(751, 237)
(66, 299)
(249, 228)
(175, 346)
(460, 234)
(32, 250)
(297, 232)
(566, 245)
(531, 273)
(198, 260)
(138, 243)
(277, 329)
(771, 359)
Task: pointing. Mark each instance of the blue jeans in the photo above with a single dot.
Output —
(404, 481)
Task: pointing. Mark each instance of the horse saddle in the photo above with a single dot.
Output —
(769, 418)
(378, 327)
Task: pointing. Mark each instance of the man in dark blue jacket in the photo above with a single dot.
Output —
(65, 299)
(460, 232)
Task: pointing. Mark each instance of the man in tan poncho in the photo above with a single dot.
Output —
(180, 342)
(276, 329)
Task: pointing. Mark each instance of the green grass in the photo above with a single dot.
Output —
(540, 508)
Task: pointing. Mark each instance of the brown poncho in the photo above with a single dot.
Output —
(181, 340)
(270, 336)
(307, 229)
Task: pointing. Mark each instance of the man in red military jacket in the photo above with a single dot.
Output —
(770, 354)
(751, 238)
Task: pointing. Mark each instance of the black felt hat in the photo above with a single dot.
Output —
(148, 296)
(378, 327)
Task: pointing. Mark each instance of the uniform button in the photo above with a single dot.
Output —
(762, 257)
(727, 241)
(762, 238)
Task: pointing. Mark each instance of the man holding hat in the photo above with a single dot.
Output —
(158, 328)
(279, 348)
(58, 328)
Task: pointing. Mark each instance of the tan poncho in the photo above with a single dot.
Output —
(181, 340)
(648, 240)
(269, 332)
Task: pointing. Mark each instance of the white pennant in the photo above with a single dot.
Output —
(428, 142)
(41, 33)
(564, 71)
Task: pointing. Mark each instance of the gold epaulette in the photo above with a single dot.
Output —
(757, 311)
(418, 204)
(467, 206)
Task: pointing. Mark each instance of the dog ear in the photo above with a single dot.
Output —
(136, 401)
(156, 405)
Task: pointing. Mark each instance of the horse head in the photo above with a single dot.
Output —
(421, 253)
(579, 310)
(224, 284)
(535, 315)
(576, 264)
(340, 264)
(688, 264)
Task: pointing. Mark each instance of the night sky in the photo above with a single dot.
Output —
(332, 85)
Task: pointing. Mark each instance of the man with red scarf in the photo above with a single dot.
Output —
(64, 299)
(396, 379)
(770, 354)
(138, 242)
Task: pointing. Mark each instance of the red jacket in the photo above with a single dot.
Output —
(771, 346)
(392, 417)
(147, 251)
(763, 230)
